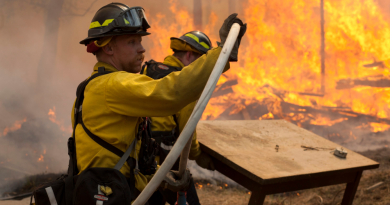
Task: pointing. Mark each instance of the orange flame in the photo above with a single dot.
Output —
(53, 118)
(199, 186)
(163, 28)
(282, 56)
(40, 159)
(281, 61)
(17, 125)
(379, 127)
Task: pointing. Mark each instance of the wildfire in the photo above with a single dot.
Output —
(17, 125)
(283, 56)
(53, 118)
(280, 67)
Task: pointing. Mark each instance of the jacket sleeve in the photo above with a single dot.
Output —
(182, 118)
(138, 95)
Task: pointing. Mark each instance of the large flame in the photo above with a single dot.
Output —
(280, 62)
(282, 59)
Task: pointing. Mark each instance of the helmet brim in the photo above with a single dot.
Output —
(87, 40)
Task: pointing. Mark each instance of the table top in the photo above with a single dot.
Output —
(248, 146)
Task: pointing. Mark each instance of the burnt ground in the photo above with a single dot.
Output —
(220, 192)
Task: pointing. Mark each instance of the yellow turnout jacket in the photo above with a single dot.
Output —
(169, 124)
(114, 104)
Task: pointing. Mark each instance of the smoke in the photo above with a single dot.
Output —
(38, 84)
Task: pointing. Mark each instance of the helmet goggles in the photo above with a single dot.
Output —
(132, 19)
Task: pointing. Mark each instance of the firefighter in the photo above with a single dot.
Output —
(116, 100)
(165, 130)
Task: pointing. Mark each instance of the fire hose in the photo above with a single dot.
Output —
(184, 139)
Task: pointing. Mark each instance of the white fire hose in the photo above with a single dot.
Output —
(186, 134)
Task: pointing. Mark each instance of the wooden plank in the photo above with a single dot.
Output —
(248, 147)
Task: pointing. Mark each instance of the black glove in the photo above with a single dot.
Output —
(224, 31)
(205, 161)
(174, 184)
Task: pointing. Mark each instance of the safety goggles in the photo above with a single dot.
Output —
(132, 19)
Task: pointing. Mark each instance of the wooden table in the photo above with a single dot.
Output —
(244, 150)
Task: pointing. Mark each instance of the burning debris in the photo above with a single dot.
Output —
(17, 125)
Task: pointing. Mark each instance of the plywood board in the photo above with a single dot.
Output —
(248, 146)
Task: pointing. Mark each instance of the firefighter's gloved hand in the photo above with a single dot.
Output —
(205, 161)
(224, 31)
(173, 183)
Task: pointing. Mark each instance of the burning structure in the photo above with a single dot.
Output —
(303, 62)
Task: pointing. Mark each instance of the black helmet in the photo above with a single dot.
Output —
(117, 19)
(196, 39)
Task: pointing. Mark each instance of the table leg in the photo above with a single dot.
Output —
(257, 197)
(351, 189)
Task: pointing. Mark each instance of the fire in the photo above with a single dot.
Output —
(164, 28)
(283, 53)
(17, 125)
(267, 116)
(379, 127)
(53, 118)
(319, 120)
(280, 65)
(40, 159)
(199, 186)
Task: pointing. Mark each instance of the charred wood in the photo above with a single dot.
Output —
(350, 83)
(224, 88)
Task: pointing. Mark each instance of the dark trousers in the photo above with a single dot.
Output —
(162, 196)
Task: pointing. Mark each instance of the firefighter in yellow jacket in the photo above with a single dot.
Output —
(165, 130)
(115, 101)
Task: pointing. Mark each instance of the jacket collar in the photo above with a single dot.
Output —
(173, 61)
(107, 66)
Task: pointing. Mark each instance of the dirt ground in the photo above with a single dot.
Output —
(222, 193)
